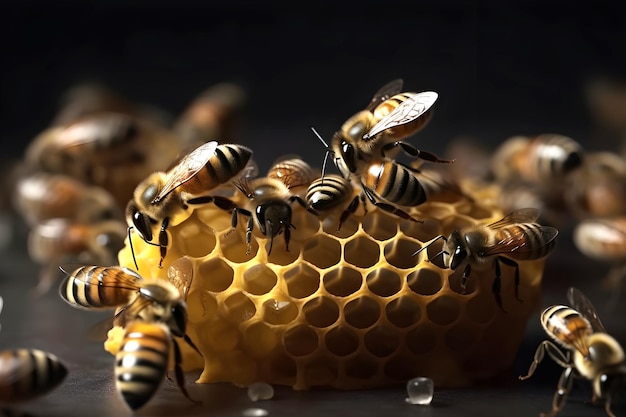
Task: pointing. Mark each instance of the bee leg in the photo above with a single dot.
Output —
(287, 236)
(512, 263)
(163, 240)
(466, 273)
(348, 211)
(496, 286)
(553, 351)
(180, 376)
(388, 207)
(563, 388)
(411, 150)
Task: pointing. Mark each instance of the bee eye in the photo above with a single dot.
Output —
(348, 156)
(142, 223)
(149, 193)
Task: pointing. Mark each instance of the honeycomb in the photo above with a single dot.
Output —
(348, 309)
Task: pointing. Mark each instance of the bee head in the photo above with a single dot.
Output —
(140, 221)
(455, 249)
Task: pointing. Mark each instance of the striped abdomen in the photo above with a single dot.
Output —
(100, 287)
(567, 327)
(328, 192)
(28, 373)
(394, 183)
(552, 156)
(225, 164)
(527, 241)
(401, 130)
(141, 362)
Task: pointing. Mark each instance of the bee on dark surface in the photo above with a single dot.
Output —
(55, 241)
(152, 312)
(164, 198)
(292, 171)
(43, 196)
(580, 345)
(515, 237)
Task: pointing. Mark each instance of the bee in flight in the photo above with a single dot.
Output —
(362, 147)
(581, 346)
(152, 312)
(164, 198)
(515, 237)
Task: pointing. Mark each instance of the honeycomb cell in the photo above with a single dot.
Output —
(380, 227)
(202, 306)
(221, 336)
(421, 231)
(481, 308)
(361, 252)
(399, 253)
(361, 312)
(259, 340)
(214, 275)
(321, 371)
(300, 340)
(349, 227)
(403, 311)
(425, 281)
(280, 256)
(341, 341)
(321, 311)
(381, 340)
(342, 281)
(444, 310)
(195, 239)
(284, 369)
(238, 307)
(302, 280)
(361, 367)
(400, 368)
(384, 282)
(259, 279)
(422, 340)
(461, 336)
(233, 246)
(322, 251)
(279, 312)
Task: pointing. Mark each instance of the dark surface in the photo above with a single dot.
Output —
(499, 70)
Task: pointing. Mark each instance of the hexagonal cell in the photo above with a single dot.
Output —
(404, 311)
(425, 281)
(361, 367)
(460, 337)
(471, 283)
(431, 251)
(444, 310)
(194, 238)
(300, 340)
(238, 307)
(342, 281)
(399, 253)
(381, 340)
(362, 312)
(214, 274)
(400, 368)
(234, 247)
(279, 312)
(384, 282)
(259, 279)
(219, 220)
(302, 280)
(341, 341)
(201, 306)
(321, 371)
(259, 339)
(481, 308)
(306, 224)
(423, 339)
(321, 311)
(362, 252)
(349, 227)
(280, 256)
(380, 227)
(421, 231)
(322, 251)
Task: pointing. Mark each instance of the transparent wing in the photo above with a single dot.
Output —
(406, 112)
(517, 241)
(180, 274)
(388, 90)
(579, 302)
(187, 168)
(524, 215)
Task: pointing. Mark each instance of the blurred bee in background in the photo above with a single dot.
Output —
(26, 374)
(56, 241)
(42, 196)
(580, 344)
(152, 312)
(213, 114)
(515, 237)
(164, 198)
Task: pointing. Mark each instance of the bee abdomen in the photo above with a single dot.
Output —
(328, 192)
(96, 287)
(533, 235)
(228, 161)
(395, 183)
(141, 362)
(28, 373)
(555, 156)
(565, 325)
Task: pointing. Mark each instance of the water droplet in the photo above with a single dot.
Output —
(420, 391)
(260, 391)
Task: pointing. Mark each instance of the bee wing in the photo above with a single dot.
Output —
(517, 241)
(406, 112)
(180, 274)
(292, 171)
(187, 168)
(579, 302)
(388, 90)
(523, 215)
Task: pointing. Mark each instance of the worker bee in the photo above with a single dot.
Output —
(292, 171)
(330, 192)
(589, 353)
(152, 312)
(56, 241)
(43, 196)
(164, 198)
(515, 237)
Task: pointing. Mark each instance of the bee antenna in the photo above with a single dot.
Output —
(328, 151)
(430, 243)
(132, 250)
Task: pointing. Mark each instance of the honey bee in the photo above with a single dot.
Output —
(43, 196)
(56, 241)
(330, 192)
(292, 171)
(152, 312)
(164, 198)
(589, 353)
(515, 237)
